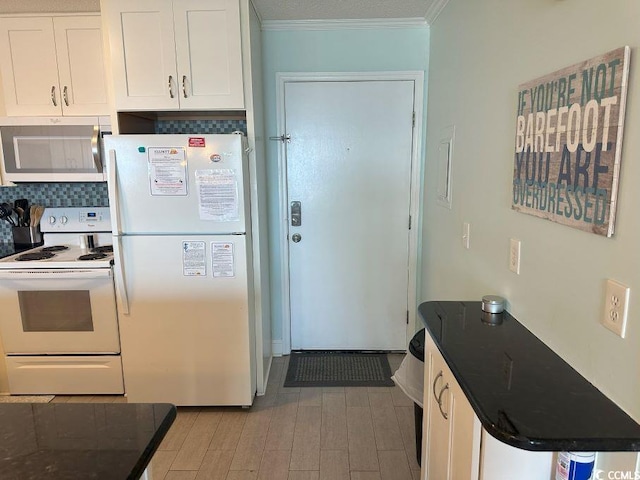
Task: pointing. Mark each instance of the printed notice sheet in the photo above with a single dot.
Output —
(167, 171)
(194, 259)
(218, 194)
(222, 259)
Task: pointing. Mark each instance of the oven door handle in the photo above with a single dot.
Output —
(121, 286)
(46, 274)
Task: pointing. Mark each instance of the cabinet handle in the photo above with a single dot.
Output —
(184, 86)
(53, 96)
(433, 387)
(65, 95)
(444, 414)
(439, 397)
(171, 86)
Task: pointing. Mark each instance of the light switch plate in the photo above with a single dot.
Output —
(616, 304)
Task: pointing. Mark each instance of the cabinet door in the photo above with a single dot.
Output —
(441, 420)
(142, 54)
(81, 65)
(465, 437)
(29, 67)
(453, 439)
(209, 55)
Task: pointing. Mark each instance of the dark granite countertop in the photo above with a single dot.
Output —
(523, 393)
(73, 441)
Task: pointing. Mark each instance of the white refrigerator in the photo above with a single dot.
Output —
(183, 270)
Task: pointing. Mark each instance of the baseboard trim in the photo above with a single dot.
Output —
(276, 348)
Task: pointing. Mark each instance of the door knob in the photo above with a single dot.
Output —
(296, 237)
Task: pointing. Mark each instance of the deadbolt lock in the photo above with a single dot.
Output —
(296, 237)
(296, 214)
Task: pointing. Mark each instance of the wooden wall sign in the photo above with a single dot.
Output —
(569, 142)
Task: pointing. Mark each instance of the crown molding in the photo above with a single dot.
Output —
(255, 10)
(434, 10)
(347, 24)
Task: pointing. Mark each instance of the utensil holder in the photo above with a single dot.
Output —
(26, 236)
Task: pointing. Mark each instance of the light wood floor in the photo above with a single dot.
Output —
(352, 433)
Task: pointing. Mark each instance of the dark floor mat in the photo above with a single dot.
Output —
(338, 369)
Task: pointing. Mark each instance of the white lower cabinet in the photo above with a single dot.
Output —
(455, 446)
(504, 462)
(453, 431)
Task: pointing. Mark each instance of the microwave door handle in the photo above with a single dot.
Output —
(121, 286)
(95, 150)
(112, 188)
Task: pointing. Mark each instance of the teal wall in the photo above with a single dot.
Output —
(480, 53)
(361, 50)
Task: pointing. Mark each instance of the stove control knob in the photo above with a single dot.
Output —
(63, 220)
(52, 219)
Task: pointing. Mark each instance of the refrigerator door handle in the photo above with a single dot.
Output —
(112, 187)
(121, 287)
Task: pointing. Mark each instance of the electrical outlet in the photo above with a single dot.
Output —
(514, 256)
(466, 232)
(616, 304)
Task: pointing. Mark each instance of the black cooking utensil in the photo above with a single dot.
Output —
(22, 203)
(5, 213)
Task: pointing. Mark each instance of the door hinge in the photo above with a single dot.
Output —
(413, 119)
(282, 138)
(407, 317)
(409, 222)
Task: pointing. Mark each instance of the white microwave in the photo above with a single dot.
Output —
(52, 149)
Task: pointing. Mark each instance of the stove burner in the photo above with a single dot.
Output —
(27, 257)
(92, 256)
(55, 248)
(103, 249)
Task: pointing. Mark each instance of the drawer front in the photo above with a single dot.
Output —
(86, 375)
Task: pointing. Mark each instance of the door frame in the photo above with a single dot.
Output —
(417, 161)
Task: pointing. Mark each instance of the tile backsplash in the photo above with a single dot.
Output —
(92, 194)
(202, 127)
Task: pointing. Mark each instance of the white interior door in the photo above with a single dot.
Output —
(349, 166)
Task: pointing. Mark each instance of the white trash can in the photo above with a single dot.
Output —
(410, 378)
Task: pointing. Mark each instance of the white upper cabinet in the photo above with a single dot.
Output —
(170, 55)
(81, 67)
(143, 56)
(53, 66)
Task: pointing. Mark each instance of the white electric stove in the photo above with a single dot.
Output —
(74, 237)
(59, 325)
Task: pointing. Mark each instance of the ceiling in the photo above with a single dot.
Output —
(279, 10)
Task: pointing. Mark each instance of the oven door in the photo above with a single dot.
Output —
(58, 311)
